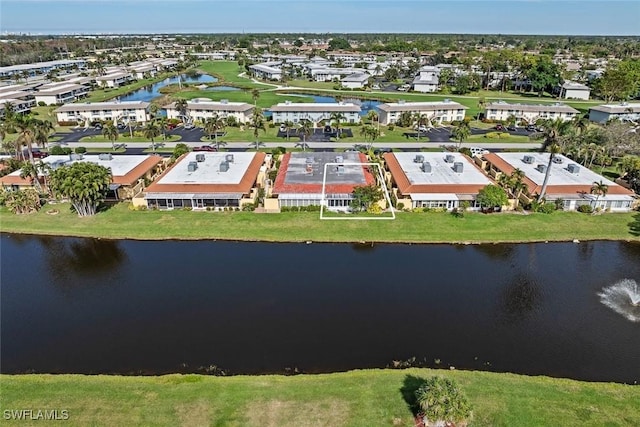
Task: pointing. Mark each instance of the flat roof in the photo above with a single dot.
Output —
(421, 106)
(409, 177)
(207, 178)
(533, 108)
(60, 88)
(316, 106)
(125, 169)
(561, 181)
(45, 64)
(207, 104)
(618, 108)
(296, 177)
(89, 106)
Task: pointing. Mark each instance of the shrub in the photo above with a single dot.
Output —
(80, 150)
(440, 399)
(187, 208)
(585, 209)
(42, 104)
(59, 151)
(272, 125)
(547, 208)
(391, 127)
(67, 123)
(400, 206)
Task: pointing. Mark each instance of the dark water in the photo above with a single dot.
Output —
(150, 92)
(222, 88)
(97, 306)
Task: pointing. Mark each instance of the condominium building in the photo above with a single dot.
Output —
(315, 112)
(529, 112)
(204, 108)
(137, 111)
(438, 112)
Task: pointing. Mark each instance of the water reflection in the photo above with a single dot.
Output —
(520, 298)
(499, 252)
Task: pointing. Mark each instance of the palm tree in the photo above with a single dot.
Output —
(338, 118)
(554, 136)
(132, 124)
(26, 133)
(257, 124)
(599, 189)
(30, 171)
(372, 116)
(288, 125)
(42, 130)
(110, 131)
(461, 132)
(151, 131)
(255, 94)
(153, 110)
(441, 402)
(182, 106)
(304, 130)
(211, 127)
(581, 123)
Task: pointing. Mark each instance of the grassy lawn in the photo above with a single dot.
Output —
(101, 95)
(312, 84)
(127, 138)
(356, 398)
(91, 150)
(266, 100)
(227, 72)
(505, 137)
(120, 222)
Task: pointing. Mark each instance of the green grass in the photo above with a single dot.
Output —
(127, 138)
(120, 222)
(101, 95)
(310, 84)
(509, 138)
(356, 398)
(227, 72)
(267, 98)
(91, 150)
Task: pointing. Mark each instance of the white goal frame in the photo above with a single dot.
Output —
(383, 185)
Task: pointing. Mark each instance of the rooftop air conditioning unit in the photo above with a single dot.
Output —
(339, 159)
(192, 166)
(224, 166)
(557, 160)
(228, 158)
(309, 160)
(458, 167)
(449, 158)
(224, 101)
(75, 156)
(426, 167)
(528, 160)
(542, 168)
(573, 168)
(419, 158)
(340, 169)
(199, 157)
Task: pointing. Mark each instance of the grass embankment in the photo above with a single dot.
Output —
(127, 138)
(356, 398)
(227, 72)
(120, 222)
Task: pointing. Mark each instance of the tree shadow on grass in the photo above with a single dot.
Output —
(408, 390)
(634, 226)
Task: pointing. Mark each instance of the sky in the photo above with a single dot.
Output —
(586, 17)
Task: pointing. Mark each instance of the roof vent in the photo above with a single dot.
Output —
(458, 167)
(339, 159)
(224, 101)
(449, 158)
(224, 166)
(542, 168)
(573, 168)
(199, 157)
(418, 159)
(74, 156)
(340, 169)
(426, 167)
(557, 160)
(228, 158)
(447, 100)
(309, 160)
(192, 166)
(401, 102)
(287, 102)
(528, 159)
(309, 168)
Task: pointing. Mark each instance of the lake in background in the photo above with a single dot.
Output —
(150, 92)
(98, 306)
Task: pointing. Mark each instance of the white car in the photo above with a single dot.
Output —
(478, 151)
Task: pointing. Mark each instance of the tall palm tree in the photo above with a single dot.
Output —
(255, 94)
(257, 124)
(163, 125)
(153, 110)
(581, 124)
(288, 125)
(30, 171)
(42, 130)
(151, 131)
(110, 131)
(26, 133)
(211, 127)
(461, 132)
(182, 106)
(554, 137)
(338, 118)
(305, 130)
(599, 189)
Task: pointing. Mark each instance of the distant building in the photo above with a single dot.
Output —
(267, 70)
(438, 112)
(60, 93)
(114, 80)
(315, 112)
(427, 79)
(501, 111)
(625, 111)
(300, 178)
(568, 181)
(135, 111)
(20, 106)
(434, 180)
(204, 108)
(205, 180)
(42, 67)
(355, 81)
(573, 90)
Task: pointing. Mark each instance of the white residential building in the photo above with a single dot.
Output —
(573, 90)
(115, 80)
(20, 106)
(57, 93)
(327, 74)
(529, 112)
(314, 112)
(427, 79)
(625, 111)
(267, 70)
(437, 112)
(204, 108)
(137, 111)
(355, 81)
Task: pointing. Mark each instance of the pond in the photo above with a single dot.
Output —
(135, 307)
(222, 88)
(150, 92)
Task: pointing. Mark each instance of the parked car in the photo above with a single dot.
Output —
(204, 148)
(511, 128)
(531, 128)
(36, 154)
(171, 126)
(379, 151)
(98, 126)
(499, 127)
(422, 128)
(189, 126)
